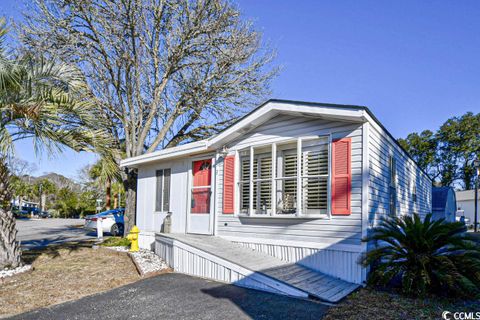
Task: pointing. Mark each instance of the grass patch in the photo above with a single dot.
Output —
(64, 273)
(116, 242)
(371, 304)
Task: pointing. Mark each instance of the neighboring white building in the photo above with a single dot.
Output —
(242, 185)
(466, 203)
(24, 203)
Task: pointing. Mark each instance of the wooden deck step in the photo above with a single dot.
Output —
(295, 276)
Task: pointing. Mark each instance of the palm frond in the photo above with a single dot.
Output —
(427, 255)
(47, 101)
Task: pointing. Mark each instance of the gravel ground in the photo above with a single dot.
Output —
(146, 260)
(11, 272)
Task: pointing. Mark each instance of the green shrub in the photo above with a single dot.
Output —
(116, 242)
(425, 256)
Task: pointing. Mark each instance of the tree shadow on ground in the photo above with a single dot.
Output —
(54, 250)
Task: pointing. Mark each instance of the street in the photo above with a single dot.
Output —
(34, 234)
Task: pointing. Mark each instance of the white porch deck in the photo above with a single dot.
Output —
(221, 260)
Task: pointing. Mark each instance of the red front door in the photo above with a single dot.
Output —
(201, 189)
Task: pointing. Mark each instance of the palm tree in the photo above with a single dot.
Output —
(43, 100)
(106, 172)
(43, 188)
(118, 194)
(20, 189)
(426, 255)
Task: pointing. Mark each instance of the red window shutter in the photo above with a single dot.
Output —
(229, 184)
(341, 176)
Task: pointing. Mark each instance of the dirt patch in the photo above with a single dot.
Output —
(64, 273)
(370, 304)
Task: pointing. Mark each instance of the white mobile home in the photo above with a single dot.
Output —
(290, 185)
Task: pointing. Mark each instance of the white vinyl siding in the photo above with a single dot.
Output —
(407, 177)
(148, 219)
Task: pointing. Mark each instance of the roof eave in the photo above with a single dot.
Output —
(166, 154)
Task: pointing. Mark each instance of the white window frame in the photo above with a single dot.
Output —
(328, 175)
(253, 182)
(284, 178)
(274, 179)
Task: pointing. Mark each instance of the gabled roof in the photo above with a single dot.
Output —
(253, 119)
(259, 115)
(274, 107)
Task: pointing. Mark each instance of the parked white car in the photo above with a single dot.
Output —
(112, 221)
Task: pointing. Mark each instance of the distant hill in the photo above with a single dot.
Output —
(59, 180)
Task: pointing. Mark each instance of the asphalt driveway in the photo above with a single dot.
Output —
(177, 296)
(41, 233)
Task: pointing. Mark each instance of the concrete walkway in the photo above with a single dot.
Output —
(177, 296)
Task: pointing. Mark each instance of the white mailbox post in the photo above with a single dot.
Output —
(99, 229)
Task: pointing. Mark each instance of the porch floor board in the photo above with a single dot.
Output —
(314, 283)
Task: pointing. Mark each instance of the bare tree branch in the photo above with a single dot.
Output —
(163, 71)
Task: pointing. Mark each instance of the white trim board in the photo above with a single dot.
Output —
(300, 244)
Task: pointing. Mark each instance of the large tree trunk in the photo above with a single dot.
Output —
(9, 247)
(130, 184)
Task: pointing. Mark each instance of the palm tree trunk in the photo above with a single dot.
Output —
(115, 201)
(108, 199)
(10, 252)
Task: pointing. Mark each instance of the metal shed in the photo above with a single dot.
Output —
(444, 204)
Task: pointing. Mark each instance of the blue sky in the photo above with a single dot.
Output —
(413, 63)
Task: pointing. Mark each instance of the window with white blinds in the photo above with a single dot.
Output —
(162, 200)
(315, 177)
(301, 186)
(244, 184)
(287, 181)
(261, 181)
